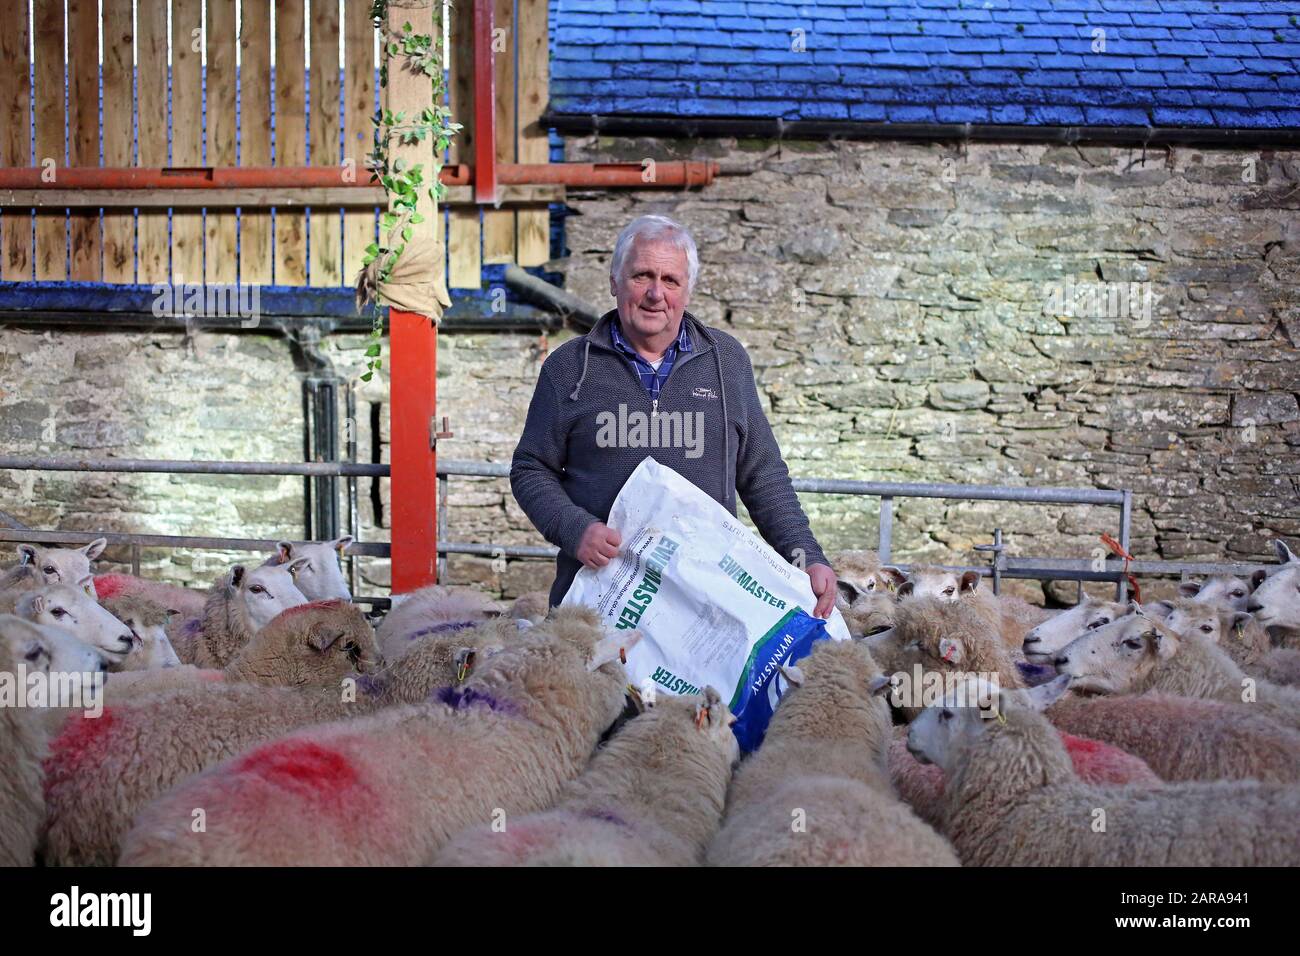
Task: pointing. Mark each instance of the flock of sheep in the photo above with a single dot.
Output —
(267, 722)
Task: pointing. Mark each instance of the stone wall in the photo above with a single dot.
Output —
(897, 301)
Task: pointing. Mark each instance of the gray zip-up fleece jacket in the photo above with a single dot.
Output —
(565, 475)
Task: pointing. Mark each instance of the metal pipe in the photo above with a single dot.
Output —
(376, 549)
(354, 510)
(540, 292)
(675, 174)
(1125, 525)
(163, 466)
(885, 543)
(778, 128)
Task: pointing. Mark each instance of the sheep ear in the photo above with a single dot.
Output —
(849, 591)
(342, 544)
(893, 577)
(1189, 589)
(87, 584)
(26, 554)
(1239, 619)
(793, 674)
(1257, 578)
(323, 636)
(1284, 554)
(1162, 641)
(36, 604)
(284, 551)
(94, 549)
(904, 589)
(880, 685)
(612, 648)
(713, 707)
(970, 581)
(1044, 695)
(1135, 608)
(951, 651)
(235, 576)
(1162, 608)
(297, 564)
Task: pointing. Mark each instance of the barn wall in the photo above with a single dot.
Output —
(896, 301)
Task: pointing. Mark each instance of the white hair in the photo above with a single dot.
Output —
(658, 229)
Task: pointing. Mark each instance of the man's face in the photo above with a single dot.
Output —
(652, 294)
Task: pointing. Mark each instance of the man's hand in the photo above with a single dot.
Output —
(600, 543)
(823, 585)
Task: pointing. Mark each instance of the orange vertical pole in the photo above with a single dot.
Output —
(413, 346)
(412, 403)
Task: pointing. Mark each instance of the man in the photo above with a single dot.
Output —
(648, 358)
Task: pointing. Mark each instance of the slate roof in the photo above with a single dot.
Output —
(1233, 63)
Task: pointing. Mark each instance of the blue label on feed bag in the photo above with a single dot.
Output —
(762, 685)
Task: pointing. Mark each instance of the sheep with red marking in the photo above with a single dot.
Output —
(436, 609)
(921, 785)
(61, 661)
(184, 602)
(817, 792)
(391, 788)
(652, 796)
(1182, 738)
(308, 665)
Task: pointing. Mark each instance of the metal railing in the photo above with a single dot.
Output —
(1001, 565)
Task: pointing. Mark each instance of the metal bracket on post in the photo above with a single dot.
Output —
(996, 549)
(435, 434)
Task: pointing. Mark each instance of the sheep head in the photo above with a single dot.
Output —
(262, 592)
(1276, 602)
(61, 565)
(1044, 642)
(315, 567)
(1117, 657)
(73, 610)
(312, 645)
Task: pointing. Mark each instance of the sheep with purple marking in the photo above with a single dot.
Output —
(652, 796)
(391, 788)
(1013, 799)
(308, 665)
(817, 792)
(239, 603)
(435, 609)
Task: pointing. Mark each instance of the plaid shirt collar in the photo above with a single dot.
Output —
(652, 378)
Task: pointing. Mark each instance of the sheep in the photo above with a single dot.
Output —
(864, 593)
(29, 649)
(1182, 738)
(1227, 590)
(817, 792)
(531, 606)
(1011, 616)
(185, 602)
(150, 648)
(435, 609)
(1140, 652)
(391, 788)
(921, 785)
(238, 604)
(17, 581)
(935, 635)
(74, 610)
(1047, 639)
(1276, 601)
(1237, 632)
(315, 567)
(652, 796)
(304, 667)
(1013, 798)
(61, 565)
